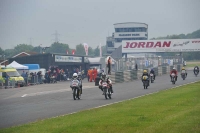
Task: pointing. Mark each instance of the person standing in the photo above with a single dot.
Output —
(136, 67)
(109, 65)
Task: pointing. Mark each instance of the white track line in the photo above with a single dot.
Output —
(50, 92)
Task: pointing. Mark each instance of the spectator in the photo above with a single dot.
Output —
(136, 67)
(109, 65)
(7, 81)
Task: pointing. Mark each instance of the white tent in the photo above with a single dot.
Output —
(18, 66)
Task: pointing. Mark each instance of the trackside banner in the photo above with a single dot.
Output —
(173, 45)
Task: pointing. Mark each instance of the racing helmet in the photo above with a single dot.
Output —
(75, 75)
(183, 68)
(145, 71)
(174, 68)
(103, 75)
(79, 74)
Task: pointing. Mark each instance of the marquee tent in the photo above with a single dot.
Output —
(17, 66)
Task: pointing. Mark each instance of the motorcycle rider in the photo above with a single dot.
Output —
(80, 80)
(183, 70)
(105, 78)
(75, 77)
(145, 73)
(152, 71)
(196, 70)
(175, 72)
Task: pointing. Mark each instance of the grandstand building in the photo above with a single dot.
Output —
(126, 31)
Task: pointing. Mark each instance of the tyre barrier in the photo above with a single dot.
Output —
(164, 70)
(159, 71)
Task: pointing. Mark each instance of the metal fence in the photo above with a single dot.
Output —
(145, 62)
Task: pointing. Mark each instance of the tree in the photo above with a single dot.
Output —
(22, 48)
(57, 47)
(1, 51)
(9, 53)
(96, 51)
(90, 51)
(80, 50)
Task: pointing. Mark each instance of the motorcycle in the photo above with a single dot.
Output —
(76, 89)
(145, 82)
(152, 77)
(196, 72)
(183, 75)
(106, 90)
(173, 78)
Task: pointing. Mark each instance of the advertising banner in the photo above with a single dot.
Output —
(59, 58)
(173, 45)
(86, 48)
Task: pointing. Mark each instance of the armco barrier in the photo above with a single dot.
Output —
(159, 71)
(130, 75)
(127, 75)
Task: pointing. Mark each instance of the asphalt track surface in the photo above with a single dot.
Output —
(28, 104)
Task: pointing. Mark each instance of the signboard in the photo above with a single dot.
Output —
(86, 48)
(173, 45)
(59, 58)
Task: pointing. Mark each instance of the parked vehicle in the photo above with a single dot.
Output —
(13, 74)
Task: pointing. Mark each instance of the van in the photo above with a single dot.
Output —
(13, 74)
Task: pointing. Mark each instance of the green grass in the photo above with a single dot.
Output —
(170, 111)
(193, 64)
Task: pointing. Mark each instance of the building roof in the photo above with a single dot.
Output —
(25, 53)
(130, 23)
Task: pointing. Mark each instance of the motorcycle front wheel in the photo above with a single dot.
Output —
(105, 93)
(75, 93)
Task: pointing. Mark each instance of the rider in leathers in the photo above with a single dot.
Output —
(145, 73)
(105, 78)
(196, 70)
(152, 71)
(175, 72)
(80, 80)
(75, 77)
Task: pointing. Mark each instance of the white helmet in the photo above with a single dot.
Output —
(75, 75)
(174, 68)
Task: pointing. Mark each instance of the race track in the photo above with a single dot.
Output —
(28, 104)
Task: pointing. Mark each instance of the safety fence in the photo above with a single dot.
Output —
(12, 83)
(144, 62)
(130, 75)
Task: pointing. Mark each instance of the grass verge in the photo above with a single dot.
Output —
(193, 64)
(173, 111)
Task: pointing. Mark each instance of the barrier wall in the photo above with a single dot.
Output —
(130, 75)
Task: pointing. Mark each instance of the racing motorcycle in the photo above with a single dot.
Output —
(145, 82)
(183, 75)
(76, 89)
(106, 90)
(151, 77)
(196, 72)
(173, 78)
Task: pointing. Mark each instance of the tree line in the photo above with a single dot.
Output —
(56, 47)
(62, 48)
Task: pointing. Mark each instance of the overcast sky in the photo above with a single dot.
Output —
(90, 21)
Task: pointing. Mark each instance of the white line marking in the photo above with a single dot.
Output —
(52, 91)
(24, 95)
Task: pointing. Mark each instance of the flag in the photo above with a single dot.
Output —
(86, 48)
(73, 51)
(100, 50)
